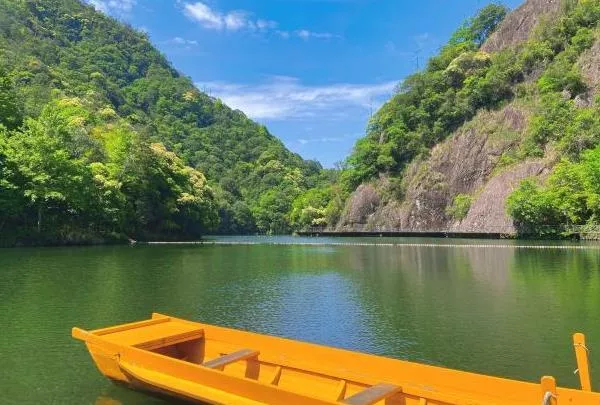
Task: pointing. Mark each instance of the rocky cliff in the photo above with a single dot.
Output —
(462, 184)
(518, 25)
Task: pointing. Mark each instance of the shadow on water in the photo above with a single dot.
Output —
(502, 311)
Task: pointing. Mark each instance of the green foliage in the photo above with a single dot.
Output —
(480, 27)
(462, 80)
(10, 114)
(129, 98)
(460, 206)
(563, 74)
(310, 208)
(11, 197)
(67, 173)
(559, 121)
(570, 196)
(433, 103)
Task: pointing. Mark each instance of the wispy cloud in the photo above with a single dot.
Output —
(182, 41)
(282, 97)
(423, 40)
(113, 6)
(235, 20)
(306, 35)
(242, 20)
(324, 139)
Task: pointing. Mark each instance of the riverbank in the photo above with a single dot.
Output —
(580, 234)
(80, 239)
(34, 239)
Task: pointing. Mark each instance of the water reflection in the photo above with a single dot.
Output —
(502, 311)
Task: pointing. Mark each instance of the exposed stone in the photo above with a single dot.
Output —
(361, 204)
(584, 100)
(461, 164)
(488, 211)
(468, 161)
(589, 62)
(517, 25)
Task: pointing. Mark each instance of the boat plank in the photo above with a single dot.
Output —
(372, 394)
(171, 340)
(150, 333)
(222, 361)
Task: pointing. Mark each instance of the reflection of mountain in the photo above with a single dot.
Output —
(501, 311)
(560, 292)
(491, 267)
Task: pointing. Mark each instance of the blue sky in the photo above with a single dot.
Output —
(310, 70)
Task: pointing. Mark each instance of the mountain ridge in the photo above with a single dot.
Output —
(53, 50)
(499, 135)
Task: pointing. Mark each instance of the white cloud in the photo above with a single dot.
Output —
(283, 34)
(285, 97)
(266, 24)
(182, 41)
(238, 20)
(324, 139)
(113, 6)
(306, 35)
(204, 15)
(232, 21)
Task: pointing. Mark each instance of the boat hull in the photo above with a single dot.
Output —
(208, 364)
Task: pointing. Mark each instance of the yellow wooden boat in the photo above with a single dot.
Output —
(210, 364)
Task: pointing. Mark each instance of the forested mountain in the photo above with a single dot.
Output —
(101, 137)
(500, 132)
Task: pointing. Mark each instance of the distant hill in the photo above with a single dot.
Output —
(63, 54)
(500, 132)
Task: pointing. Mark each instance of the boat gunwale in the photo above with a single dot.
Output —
(408, 388)
(131, 325)
(102, 343)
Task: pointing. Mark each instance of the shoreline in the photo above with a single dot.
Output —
(209, 240)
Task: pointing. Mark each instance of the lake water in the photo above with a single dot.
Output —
(499, 309)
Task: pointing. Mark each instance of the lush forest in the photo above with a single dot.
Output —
(461, 80)
(102, 139)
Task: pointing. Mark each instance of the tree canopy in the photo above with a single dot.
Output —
(141, 150)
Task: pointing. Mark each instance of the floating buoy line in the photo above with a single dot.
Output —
(398, 245)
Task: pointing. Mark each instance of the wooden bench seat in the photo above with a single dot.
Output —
(372, 394)
(222, 361)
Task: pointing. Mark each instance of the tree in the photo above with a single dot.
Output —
(53, 181)
(478, 28)
(486, 22)
(10, 113)
(11, 200)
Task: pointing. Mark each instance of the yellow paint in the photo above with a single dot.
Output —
(166, 354)
(582, 355)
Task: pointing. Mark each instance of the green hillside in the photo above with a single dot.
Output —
(86, 105)
(540, 80)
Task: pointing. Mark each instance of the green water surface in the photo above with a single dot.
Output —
(497, 310)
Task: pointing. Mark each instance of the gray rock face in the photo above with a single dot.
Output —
(488, 213)
(589, 62)
(469, 162)
(361, 204)
(463, 164)
(518, 24)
